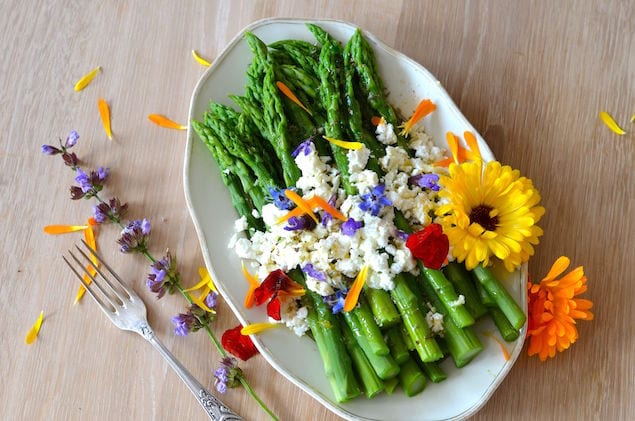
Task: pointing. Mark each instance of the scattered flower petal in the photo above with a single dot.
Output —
(424, 108)
(317, 201)
(200, 60)
(86, 79)
(301, 203)
(345, 144)
(287, 92)
(250, 298)
(611, 123)
(63, 229)
(353, 295)
(376, 120)
(375, 200)
(163, 121)
(104, 113)
(31, 336)
(255, 328)
(238, 344)
(500, 343)
(89, 237)
(351, 226)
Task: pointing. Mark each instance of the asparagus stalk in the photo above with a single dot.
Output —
(501, 297)
(384, 310)
(369, 328)
(411, 378)
(447, 296)
(370, 381)
(398, 348)
(460, 278)
(434, 372)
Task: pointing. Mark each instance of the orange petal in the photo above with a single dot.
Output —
(31, 336)
(92, 222)
(255, 328)
(424, 108)
(63, 229)
(163, 121)
(353, 295)
(250, 299)
(301, 203)
(86, 79)
(287, 92)
(560, 265)
(104, 113)
(317, 201)
(453, 143)
(200, 60)
(294, 212)
(611, 123)
(345, 144)
(472, 143)
(376, 120)
(89, 237)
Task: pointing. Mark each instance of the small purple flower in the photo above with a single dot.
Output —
(71, 139)
(375, 200)
(77, 193)
(92, 182)
(305, 148)
(402, 235)
(50, 150)
(310, 270)
(327, 217)
(304, 222)
(336, 301)
(351, 226)
(70, 160)
(183, 323)
(280, 200)
(156, 280)
(113, 210)
(134, 236)
(227, 375)
(425, 181)
(211, 299)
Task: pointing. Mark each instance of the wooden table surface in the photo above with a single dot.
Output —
(530, 76)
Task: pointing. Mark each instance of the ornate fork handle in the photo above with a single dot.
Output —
(215, 408)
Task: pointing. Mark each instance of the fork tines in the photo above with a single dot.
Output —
(115, 295)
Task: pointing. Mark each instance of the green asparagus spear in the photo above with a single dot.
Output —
(499, 294)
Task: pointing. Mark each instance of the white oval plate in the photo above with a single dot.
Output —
(407, 82)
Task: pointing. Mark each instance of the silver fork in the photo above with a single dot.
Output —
(128, 312)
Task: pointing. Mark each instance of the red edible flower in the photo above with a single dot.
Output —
(275, 283)
(430, 245)
(238, 344)
(273, 309)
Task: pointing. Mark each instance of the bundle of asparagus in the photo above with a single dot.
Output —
(385, 340)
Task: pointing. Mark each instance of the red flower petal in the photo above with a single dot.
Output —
(275, 282)
(273, 309)
(430, 245)
(238, 344)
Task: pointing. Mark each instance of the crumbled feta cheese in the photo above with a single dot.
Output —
(293, 316)
(357, 159)
(319, 287)
(460, 300)
(385, 133)
(240, 224)
(434, 320)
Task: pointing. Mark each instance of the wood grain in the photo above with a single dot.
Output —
(531, 76)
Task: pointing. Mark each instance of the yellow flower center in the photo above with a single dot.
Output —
(483, 215)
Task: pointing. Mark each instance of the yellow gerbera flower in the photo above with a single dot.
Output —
(490, 211)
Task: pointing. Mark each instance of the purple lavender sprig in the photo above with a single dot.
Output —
(227, 375)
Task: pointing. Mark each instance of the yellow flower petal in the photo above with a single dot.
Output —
(200, 301)
(104, 113)
(345, 144)
(353, 294)
(86, 79)
(163, 121)
(633, 118)
(611, 123)
(256, 328)
(204, 274)
(200, 60)
(31, 336)
(63, 229)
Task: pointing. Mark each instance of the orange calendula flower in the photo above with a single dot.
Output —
(86, 79)
(104, 113)
(200, 60)
(163, 121)
(353, 294)
(287, 92)
(424, 108)
(553, 310)
(31, 336)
